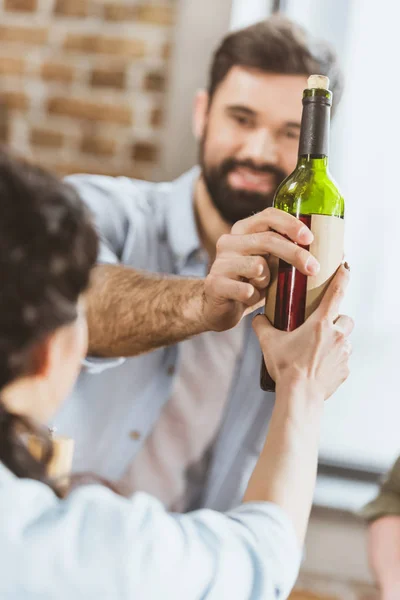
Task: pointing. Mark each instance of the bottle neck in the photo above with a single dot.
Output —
(316, 164)
(315, 126)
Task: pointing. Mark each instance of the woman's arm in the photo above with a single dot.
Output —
(286, 470)
(308, 365)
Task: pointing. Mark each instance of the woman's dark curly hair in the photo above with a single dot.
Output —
(48, 247)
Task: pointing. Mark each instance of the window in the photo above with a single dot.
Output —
(247, 12)
(362, 422)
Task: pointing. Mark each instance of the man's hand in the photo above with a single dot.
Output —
(384, 555)
(240, 274)
(131, 312)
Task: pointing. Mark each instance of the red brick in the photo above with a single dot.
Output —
(120, 12)
(25, 35)
(114, 77)
(11, 65)
(57, 71)
(91, 110)
(98, 145)
(154, 82)
(157, 14)
(156, 117)
(14, 100)
(72, 8)
(144, 152)
(46, 138)
(20, 5)
(162, 14)
(97, 44)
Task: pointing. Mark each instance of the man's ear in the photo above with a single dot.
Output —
(200, 111)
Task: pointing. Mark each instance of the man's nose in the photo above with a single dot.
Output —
(261, 148)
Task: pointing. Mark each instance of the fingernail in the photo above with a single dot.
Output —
(312, 266)
(250, 291)
(305, 235)
(260, 270)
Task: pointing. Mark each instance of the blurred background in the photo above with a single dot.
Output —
(107, 87)
(83, 82)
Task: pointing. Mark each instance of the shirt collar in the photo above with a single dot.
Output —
(182, 233)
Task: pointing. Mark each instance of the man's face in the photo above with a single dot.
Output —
(250, 139)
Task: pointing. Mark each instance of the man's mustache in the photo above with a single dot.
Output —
(231, 165)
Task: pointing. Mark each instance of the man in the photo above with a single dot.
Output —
(186, 422)
(383, 515)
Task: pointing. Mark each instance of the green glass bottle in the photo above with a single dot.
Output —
(311, 195)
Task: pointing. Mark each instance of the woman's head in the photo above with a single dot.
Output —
(47, 248)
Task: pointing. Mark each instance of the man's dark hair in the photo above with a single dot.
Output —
(276, 45)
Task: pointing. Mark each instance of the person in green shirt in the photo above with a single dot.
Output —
(383, 516)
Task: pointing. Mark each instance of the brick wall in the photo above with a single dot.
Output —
(82, 82)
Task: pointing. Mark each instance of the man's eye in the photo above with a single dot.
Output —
(291, 135)
(241, 120)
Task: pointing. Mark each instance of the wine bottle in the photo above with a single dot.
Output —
(311, 195)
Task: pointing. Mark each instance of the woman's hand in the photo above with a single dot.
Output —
(318, 351)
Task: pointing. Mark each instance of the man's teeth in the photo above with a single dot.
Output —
(253, 177)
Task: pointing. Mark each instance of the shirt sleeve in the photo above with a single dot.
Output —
(388, 500)
(96, 544)
(111, 200)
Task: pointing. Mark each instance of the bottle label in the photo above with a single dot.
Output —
(291, 299)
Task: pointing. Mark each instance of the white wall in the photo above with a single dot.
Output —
(200, 26)
(247, 12)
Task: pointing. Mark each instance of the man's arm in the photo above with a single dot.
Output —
(131, 312)
(383, 515)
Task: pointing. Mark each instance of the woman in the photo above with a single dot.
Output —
(94, 543)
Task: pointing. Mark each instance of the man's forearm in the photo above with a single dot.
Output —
(131, 312)
(286, 470)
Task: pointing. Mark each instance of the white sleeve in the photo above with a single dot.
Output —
(98, 545)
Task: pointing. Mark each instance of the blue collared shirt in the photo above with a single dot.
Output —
(151, 226)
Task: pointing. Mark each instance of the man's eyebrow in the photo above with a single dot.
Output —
(243, 109)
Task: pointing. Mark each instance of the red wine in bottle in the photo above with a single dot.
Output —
(311, 195)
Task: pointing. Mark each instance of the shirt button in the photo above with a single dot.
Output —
(201, 256)
(135, 435)
(171, 370)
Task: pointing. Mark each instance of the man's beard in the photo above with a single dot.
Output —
(235, 204)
